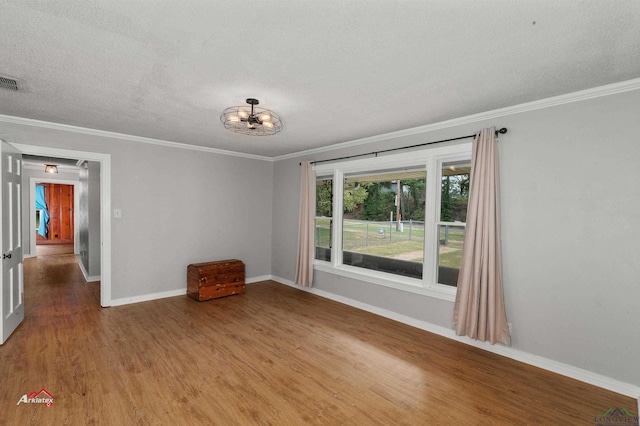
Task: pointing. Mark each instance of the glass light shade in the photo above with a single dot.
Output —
(234, 118)
(265, 117)
(267, 124)
(243, 114)
(50, 168)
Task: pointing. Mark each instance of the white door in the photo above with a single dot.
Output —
(12, 295)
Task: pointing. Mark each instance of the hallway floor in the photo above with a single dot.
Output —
(54, 249)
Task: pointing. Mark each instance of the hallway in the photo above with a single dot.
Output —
(56, 267)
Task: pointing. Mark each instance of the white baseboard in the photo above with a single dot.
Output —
(170, 293)
(525, 357)
(148, 297)
(88, 278)
(257, 279)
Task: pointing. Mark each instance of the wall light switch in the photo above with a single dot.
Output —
(117, 213)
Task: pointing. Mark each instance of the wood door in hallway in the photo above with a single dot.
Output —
(59, 199)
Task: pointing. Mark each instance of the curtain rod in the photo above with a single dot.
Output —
(501, 131)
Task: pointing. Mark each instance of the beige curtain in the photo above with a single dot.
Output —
(479, 310)
(304, 266)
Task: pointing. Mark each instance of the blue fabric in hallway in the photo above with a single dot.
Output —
(41, 205)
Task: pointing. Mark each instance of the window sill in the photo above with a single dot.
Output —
(437, 291)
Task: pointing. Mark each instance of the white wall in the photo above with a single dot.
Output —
(570, 187)
(93, 244)
(89, 220)
(178, 207)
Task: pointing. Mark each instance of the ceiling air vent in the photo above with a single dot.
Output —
(8, 83)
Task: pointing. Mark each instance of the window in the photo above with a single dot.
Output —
(454, 196)
(397, 220)
(383, 221)
(323, 219)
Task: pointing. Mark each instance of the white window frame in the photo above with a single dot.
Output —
(431, 160)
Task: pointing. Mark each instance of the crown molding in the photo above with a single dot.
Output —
(123, 136)
(582, 95)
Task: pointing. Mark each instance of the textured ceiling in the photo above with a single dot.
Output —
(334, 70)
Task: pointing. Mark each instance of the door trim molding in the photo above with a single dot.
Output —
(105, 205)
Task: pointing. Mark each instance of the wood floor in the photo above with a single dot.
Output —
(272, 356)
(54, 249)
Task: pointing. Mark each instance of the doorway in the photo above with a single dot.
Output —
(32, 222)
(64, 213)
(55, 219)
(104, 161)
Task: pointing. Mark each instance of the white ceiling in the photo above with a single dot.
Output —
(38, 162)
(335, 71)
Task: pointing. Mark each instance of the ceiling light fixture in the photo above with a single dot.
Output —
(50, 168)
(257, 122)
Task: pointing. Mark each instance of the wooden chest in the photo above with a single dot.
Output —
(215, 279)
